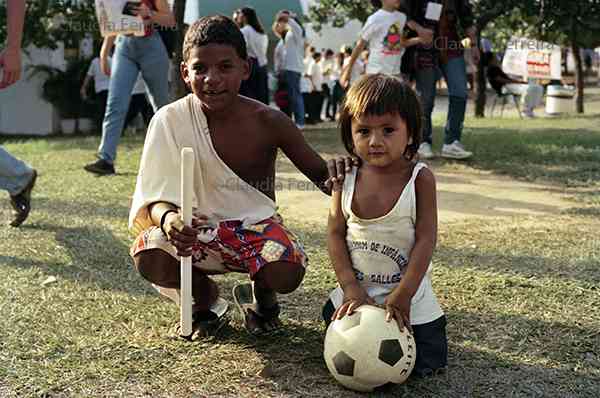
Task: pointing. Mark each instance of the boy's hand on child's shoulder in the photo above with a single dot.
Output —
(182, 237)
(354, 297)
(397, 306)
(337, 169)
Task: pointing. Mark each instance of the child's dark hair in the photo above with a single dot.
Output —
(217, 29)
(252, 19)
(380, 94)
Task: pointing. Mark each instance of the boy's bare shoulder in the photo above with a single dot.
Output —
(266, 117)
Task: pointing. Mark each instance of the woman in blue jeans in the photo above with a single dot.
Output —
(133, 54)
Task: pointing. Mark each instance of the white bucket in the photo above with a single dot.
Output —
(559, 99)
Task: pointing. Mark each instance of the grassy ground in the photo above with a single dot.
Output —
(521, 293)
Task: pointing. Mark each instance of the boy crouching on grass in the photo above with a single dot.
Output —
(235, 227)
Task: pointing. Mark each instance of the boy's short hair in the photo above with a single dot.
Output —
(380, 94)
(217, 29)
(316, 55)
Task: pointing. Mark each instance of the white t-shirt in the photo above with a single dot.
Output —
(256, 44)
(316, 75)
(279, 57)
(380, 251)
(383, 32)
(305, 85)
(357, 69)
(327, 66)
(294, 48)
(102, 81)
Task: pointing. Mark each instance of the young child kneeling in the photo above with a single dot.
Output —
(383, 220)
(235, 227)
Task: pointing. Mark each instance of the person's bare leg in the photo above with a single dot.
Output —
(277, 277)
(163, 270)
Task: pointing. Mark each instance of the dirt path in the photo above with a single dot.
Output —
(464, 194)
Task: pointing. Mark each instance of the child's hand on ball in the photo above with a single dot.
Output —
(354, 297)
(397, 306)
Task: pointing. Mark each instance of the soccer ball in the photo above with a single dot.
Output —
(363, 351)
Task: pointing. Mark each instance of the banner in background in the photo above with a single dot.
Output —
(532, 58)
(117, 17)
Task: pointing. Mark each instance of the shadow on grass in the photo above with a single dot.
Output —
(82, 209)
(96, 258)
(482, 205)
(584, 271)
(565, 156)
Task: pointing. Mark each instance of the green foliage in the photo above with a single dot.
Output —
(337, 12)
(50, 21)
(61, 88)
(565, 22)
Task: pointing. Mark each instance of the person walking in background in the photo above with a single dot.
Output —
(293, 67)
(257, 42)
(444, 56)
(330, 77)
(16, 176)
(315, 76)
(133, 54)
(337, 91)
(281, 95)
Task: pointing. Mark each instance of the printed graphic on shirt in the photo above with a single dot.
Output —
(392, 43)
(388, 270)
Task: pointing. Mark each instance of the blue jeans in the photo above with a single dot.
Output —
(133, 55)
(14, 173)
(455, 74)
(295, 96)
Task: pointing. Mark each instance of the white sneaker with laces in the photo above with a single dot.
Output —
(455, 151)
(425, 151)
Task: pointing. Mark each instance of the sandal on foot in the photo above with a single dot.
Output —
(206, 323)
(256, 321)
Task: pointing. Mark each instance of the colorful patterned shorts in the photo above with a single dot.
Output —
(233, 247)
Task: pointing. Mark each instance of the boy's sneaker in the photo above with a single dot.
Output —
(455, 151)
(100, 167)
(21, 202)
(425, 151)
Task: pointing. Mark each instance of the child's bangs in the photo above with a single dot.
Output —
(370, 96)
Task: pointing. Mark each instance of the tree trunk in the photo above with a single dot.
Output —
(579, 78)
(480, 84)
(178, 88)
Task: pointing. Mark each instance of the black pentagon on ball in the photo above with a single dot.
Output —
(344, 365)
(350, 322)
(390, 351)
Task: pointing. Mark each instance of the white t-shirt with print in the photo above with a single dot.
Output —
(383, 32)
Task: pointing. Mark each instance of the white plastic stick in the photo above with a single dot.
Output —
(187, 181)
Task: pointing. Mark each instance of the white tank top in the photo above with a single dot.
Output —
(380, 248)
